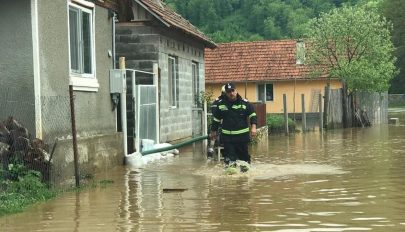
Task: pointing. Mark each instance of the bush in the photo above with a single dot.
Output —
(20, 187)
(276, 124)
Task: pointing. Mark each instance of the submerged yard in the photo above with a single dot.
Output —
(342, 180)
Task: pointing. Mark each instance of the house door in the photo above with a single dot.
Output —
(146, 119)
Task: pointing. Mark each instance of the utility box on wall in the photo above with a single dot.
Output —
(117, 80)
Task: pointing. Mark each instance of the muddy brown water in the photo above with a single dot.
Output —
(343, 180)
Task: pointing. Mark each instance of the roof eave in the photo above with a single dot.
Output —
(208, 43)
(267, 80)
(152, 13)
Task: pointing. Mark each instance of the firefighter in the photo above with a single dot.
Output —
(234, 112)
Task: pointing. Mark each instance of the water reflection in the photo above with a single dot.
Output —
(341, 180)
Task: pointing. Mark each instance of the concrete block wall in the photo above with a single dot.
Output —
(176, 123)
(97, 154)
(142, 46)
(139, 45)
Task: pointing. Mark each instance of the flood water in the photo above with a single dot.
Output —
(342, 180)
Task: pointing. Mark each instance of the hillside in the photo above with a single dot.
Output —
(249, 20)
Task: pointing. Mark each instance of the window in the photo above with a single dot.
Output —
(196, 83)
(81, 44)
(265, 92)
(173, 82)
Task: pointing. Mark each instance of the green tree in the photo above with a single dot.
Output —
(354, 45)
(394, 10)
(245, 20)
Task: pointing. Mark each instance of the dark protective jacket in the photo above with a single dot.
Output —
(234, 116)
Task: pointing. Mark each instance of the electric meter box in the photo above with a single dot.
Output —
(117, 80)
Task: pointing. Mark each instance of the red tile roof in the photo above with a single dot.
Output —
(172, 19)
(253, 61)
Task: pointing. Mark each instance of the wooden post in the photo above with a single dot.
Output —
(320, 114)
(246, 89)
(304, 116)
(326, 104)
(121, 62)
(345, 105)
(123, 106)
(205, 126)
(285, 113)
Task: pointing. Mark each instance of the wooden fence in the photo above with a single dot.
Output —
(375, 105)
(260, 109)
(367, 107)
(334, 110)
(396, 99)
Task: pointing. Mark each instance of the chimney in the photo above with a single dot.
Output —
(300, 51)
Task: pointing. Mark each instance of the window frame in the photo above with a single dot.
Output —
(173, 81)
(265, 92)
(80, 80)
(195, 74)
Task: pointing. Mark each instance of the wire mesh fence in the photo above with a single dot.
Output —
(197, 121)
(29, 130)
(55, 111)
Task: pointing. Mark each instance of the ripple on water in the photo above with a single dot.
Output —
(299, 227)
(271, 171)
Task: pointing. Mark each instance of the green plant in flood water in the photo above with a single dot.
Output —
(276, 123)
(259, 136)
(27, 189)
(104, 183)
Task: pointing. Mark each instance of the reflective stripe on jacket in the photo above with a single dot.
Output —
(234, 116)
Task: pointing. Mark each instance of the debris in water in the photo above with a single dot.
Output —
(171, 190)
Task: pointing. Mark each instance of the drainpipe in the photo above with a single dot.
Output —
(135, 146)
(36, 69)
(114, 19)
(147, 152)
(113, 16)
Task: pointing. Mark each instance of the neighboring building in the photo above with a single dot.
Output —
(44, 47)
(264, 71)
(148, 33)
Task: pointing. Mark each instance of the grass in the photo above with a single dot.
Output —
(16, 195)
(396, 105)
(21, 188)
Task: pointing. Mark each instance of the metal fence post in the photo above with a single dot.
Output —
(74, 132)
